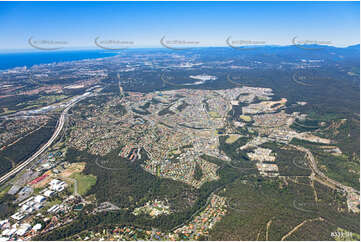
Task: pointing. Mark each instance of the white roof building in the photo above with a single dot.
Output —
(39, 199)
(5, 233)
(26, 201)
(57, 185)
(37, 227)
(8, 232)
(54, 182)
(49, 193)
(46, 165)
(60, 186)
(18, 216)
(29, 210)
(54, 209)
(38, 206)
(24, 207)
(23, 229)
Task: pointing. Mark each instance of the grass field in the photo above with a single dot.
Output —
(4, 191)
(245, 118)
(85, 182)
(232, 138)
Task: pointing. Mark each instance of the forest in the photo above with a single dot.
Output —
(24, 148)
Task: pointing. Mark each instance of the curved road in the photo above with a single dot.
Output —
(45, 146)
(316, 171)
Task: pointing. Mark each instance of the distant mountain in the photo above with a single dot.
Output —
(354, 47)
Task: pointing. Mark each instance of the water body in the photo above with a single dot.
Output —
(28, 59)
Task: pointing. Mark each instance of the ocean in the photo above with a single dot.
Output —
(28, 59)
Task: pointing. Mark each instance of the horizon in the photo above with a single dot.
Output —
(79, 24)
(90, 48)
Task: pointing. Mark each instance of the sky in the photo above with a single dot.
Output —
(77, 24)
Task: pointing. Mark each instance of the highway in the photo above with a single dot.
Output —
(315, 169)
(50, 141)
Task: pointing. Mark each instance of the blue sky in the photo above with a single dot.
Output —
(209, 23)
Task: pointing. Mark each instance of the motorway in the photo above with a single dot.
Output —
(315, 169)
(50, 141)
